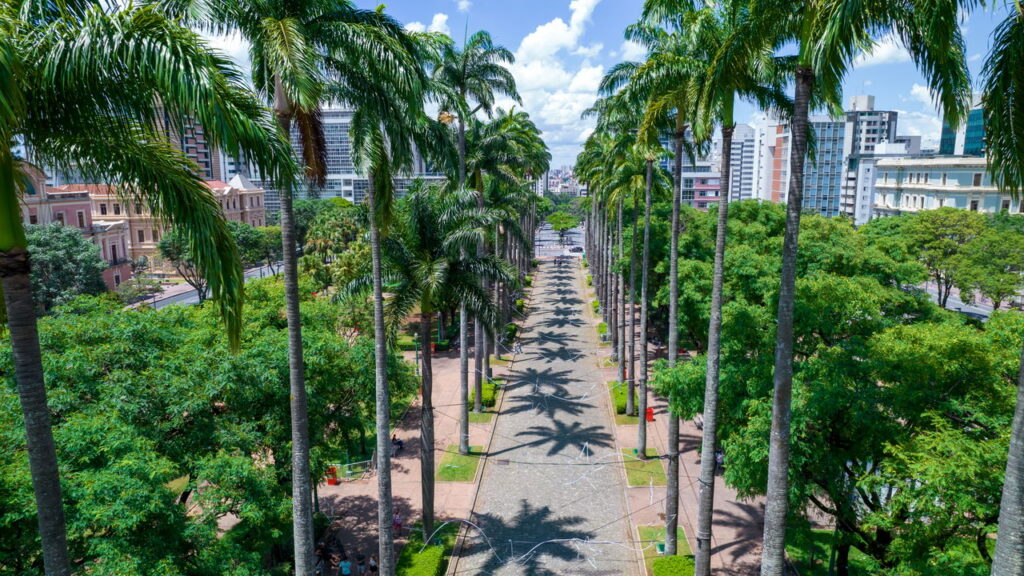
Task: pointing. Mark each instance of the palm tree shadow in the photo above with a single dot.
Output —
(561, 437)
(548, 404)
(549, 355)
(560, 323)
(529, 540)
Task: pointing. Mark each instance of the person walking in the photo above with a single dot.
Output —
(346, 566)
(397, 523)
(361, 565)
(373, 564)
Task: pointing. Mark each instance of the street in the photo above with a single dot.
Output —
(192, 297)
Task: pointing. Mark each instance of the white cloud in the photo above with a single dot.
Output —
(588, 79)
(591, 51)
(974, 57)
(888, 50)
(924, 95)
(869, 82)
(464, 5)
(632, 51)
(556, 79)
(927, 126)
(438, 24)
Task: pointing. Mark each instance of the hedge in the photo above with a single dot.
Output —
(672, 566)
(412, 562)
(602, 330)
(590, 280)
(520, 306)
(489, 394)
(408, 344)
(533, 262)
(619, 391)
(511, 329)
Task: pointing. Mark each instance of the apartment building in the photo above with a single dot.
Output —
(912, 184)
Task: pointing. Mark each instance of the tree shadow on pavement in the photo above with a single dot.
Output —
(531, 539)
(549, 405)
(356, 518)
(560, 437)
(560, 323)
(742, 547)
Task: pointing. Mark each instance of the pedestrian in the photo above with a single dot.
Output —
(361, 565)
(346, 566)
(397, 523)
(373, 564)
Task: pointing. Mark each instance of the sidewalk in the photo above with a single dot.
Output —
(738, 525)
(355, 502)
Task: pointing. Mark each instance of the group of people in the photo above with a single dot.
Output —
(339, 564)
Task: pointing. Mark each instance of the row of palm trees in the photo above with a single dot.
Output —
(84, 84)
(700, 58)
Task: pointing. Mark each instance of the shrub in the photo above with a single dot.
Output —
(672, 566)
(412, 562)
(584, 262)
(442, 346)
(520, 306)
(596, 306)
(511, 329)
(533, 263)
(590, 280)
(619, 390)
(527, 281)
(489, 394)
(406, 343)
(602, 330)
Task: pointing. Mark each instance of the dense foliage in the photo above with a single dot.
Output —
(173, 449)
(901, 410)
(65, 264)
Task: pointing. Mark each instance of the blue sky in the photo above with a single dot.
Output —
(563, 47)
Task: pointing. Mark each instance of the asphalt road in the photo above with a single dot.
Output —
(192, 297)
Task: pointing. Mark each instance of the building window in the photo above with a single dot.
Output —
(1005, 206)
(138, 209)
(117, 209)
(926, 175)
(117, 280)
(943, 178)
(977, 179)
(81, 219)
(33, 219)
(974, 205)
(142, 235)
(103, 209)
(113, 253)
(60, 217)
(156, 235)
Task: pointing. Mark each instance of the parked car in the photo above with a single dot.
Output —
(576, 249)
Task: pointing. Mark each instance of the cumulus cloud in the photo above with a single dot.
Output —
(974, 57)
(439, 23)
(556, 79)
(632, 51)
(888, 50)
(927, 126)
(924, 95)
(464, 5)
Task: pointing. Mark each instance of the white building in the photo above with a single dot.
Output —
(743, 176)
(912, 184)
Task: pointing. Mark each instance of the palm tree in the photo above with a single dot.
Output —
(81, 87)
(1003, 103)
(828, 35)
(424, 265)
(298, 51)
(732, 72)
(474, 74)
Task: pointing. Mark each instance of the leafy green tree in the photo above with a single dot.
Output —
(939, 237)
(249, 242)
(270, 246)
(174, 246)
(83, 85)
(141, 284)
(65, 264)
(562, 222)
(991, 265)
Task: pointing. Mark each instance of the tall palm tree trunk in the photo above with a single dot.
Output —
(777, 496)
(427, 420)
(1009, 556)
(612, 305)
(621, 279)
(385, 505)
(709, 442)
(641, 440)
(672, 491)
(28, 372)
(631, 388)
(302, 511)
(463, 380)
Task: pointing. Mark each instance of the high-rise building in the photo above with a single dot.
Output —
(912, 184)
(743, 175)
(822, 174)
(866, 132)
(967, 139)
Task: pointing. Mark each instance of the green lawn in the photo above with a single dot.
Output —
(497, 361)
(415, 560)
(455, 467)
(619, 392)
(643, 472)
(810, 551)
(651, 536)
(480, 417)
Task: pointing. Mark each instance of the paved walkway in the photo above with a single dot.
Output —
(552, 497)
